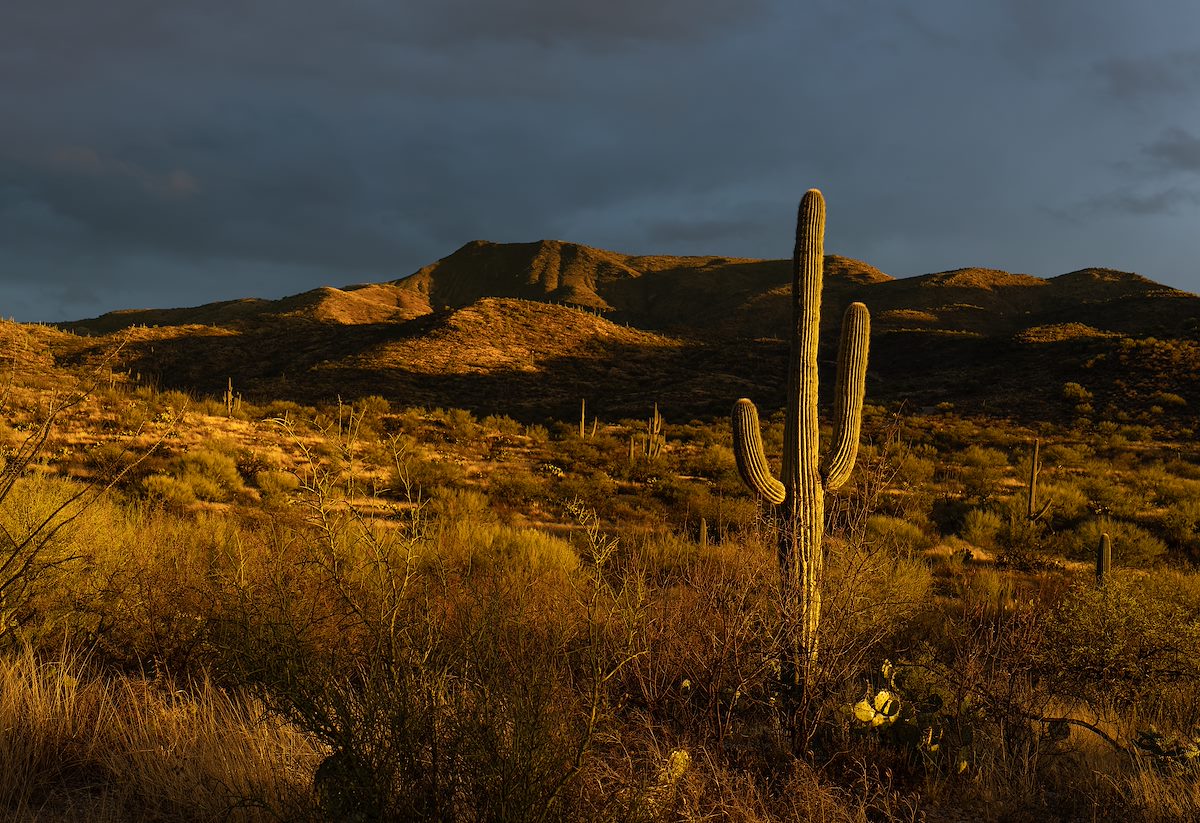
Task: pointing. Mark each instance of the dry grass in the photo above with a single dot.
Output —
(78, 746)
(448, 624)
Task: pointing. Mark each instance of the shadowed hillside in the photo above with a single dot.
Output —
(529, 328)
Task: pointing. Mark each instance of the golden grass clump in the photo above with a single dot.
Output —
(78, 746)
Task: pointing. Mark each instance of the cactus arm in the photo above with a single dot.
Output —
(748, 449)
(848, 396)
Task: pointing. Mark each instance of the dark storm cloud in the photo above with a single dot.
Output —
(1132, 78)
(170, 153)
(1175, 150)
(1168, 201)
(703, 235)
(601, 24)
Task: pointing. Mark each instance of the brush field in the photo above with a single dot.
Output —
(362, 611)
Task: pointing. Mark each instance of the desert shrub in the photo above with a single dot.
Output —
(714, 461)
(914, 468)
(370, 411)
(108, 459)
(279, 409)
(1184, 468)
(415, 473)
(251, 461)
(1068, 502)
(1124, 641)
(1171, 489)
(1136, 434)
(1180, 524)
(464, 673)
(492, 548)
(537, 433)
(1132, 546)
(589, 455)
(461, 505)
(981, 527)
(870, 599)
(211, 474)
(1065, 455)
(894, 535)
(501, 424)
(49, 528)
(157, 584)
(407, 421)
(459, 425)
(169, 491)
(1075, 393)
(659, 552)
(593, 487)
(1107, 494)
(981, 470)
(517, 485)
(276, 485)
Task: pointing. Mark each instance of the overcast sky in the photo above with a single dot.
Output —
(172, 153)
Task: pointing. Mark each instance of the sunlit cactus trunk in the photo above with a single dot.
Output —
(798, 496)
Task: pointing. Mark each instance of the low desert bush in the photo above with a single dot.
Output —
(276, 485)
(897, 536)
(1132, 546)
(981, 527)
(1125, 642)
(202, 474)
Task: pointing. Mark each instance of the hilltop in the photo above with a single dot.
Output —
(529, 328)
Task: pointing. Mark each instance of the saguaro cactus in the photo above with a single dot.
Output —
(656, 438)
(1103, 558)
(798, 496)
(1032, 512)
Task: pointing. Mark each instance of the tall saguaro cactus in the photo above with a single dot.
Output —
(798, 495)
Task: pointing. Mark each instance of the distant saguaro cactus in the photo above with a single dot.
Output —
(1032, 512)
(798, 496)
(1103, 558)
(656, 438)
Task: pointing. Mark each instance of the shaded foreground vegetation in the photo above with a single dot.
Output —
(367, 613)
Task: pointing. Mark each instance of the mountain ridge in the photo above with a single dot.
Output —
(532, 326)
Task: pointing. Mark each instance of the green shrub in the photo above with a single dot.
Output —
(169, 491)
(212, 475)
(501, 424)
(1074, 393)
(1122, 642)
(1180, 524)
(1132, 546)
(516, 485)
(899, 537)
(1068, 502)
(870, 598)
(1062, 454)
(714, 461)
(981, 470)
(491, 547)
(981, 528)
(276, 485)
(415, 473)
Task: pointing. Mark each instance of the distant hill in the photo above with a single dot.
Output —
(529, 328)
